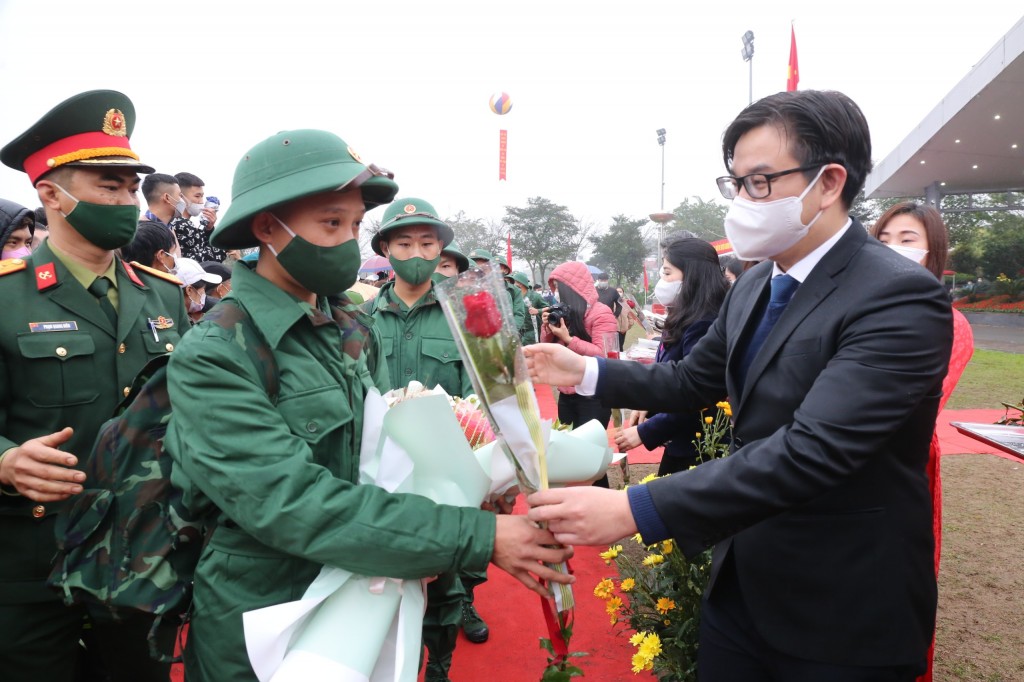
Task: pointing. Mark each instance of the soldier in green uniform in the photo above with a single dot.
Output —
(78, 325)
(414, 335)
(482, 257)
(527, 332)
(279, 478)
(419, 346)
(453, 262)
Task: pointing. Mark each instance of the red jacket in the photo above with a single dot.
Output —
(598, 319)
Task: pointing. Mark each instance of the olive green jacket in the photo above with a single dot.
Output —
(417, 342)
(518, 305)
(62, 363)
(281, 478)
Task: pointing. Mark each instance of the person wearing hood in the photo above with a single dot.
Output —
(580, 323)
(17, 227)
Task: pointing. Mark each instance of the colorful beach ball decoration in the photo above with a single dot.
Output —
(501, 103)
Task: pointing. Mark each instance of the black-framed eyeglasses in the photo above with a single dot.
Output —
(758, 185)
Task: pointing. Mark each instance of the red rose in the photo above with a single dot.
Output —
(482, 317)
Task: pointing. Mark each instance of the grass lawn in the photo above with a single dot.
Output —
(991, 377)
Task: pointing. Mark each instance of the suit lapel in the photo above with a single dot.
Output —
(818, 286)
(748, 320)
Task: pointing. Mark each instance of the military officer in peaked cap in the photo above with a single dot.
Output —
(78, 325)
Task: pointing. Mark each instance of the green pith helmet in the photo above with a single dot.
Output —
(520, 277)
(411, 211)
(453, 250)
(291, 165)
(481, 254)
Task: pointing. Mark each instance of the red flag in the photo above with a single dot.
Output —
(793, 72)
(645, 277)
(508, 255)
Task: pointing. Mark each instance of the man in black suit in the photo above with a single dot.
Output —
(821, 517)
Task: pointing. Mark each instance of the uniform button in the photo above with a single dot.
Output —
(121, 349)
(408, 336)
(39, 511)
(127, 390)
(408, 371)
(446, 354)
(61, 352)
(312, 427)
(169, 347)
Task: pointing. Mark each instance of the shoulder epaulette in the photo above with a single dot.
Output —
(157, 273)
(12, 265)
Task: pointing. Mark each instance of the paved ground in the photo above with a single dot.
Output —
(1006, 339)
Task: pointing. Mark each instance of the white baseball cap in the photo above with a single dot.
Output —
(189, 271)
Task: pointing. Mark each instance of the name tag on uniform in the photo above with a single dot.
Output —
(71, 326)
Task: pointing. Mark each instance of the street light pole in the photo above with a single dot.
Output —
(748, 56)
(661, 223)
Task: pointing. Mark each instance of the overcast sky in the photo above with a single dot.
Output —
(406, 83)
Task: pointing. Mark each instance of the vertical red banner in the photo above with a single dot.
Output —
(508, 254)
(502, 154)
(793, 70)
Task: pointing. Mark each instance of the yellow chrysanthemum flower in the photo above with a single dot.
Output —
(627, 585)
(699, 435)
(604, 589)
(648, 478)
(637, 638)
(667, 547)
(653, 559)
(612, 552)
(639, 540)
(651, 646)
(708, 420)
(613, 605)
(641, 663)
(665, 605)
(667, 621)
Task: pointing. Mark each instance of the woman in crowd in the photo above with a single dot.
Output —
(917, 232)
(580, 322)
(692, 279)
(17, 224)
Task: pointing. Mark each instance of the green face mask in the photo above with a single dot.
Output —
(414, 270)
(108, 227)
(324, 270)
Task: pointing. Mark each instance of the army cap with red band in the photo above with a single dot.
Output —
(90, 129)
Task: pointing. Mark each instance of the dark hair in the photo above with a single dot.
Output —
(734, 265)
(186, 180)
(821, 126)
(150, 239)
(41, 218)
(153, 185)
(934, 229)
(577, 305)
(702, 291)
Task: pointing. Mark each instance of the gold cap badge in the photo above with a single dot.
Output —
(113, 123)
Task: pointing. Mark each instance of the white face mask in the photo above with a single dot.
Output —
(762, 229)
(916, 255)
(194, 306)
(180, 206)
(666, 292)
(194, 209)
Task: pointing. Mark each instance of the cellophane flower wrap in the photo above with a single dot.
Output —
(355, 628)
(478, 309)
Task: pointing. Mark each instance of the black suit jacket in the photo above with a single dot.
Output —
(823, 504)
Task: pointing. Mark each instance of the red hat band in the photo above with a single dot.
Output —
(91, 145)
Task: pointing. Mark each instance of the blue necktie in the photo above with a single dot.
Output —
(783, 288)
